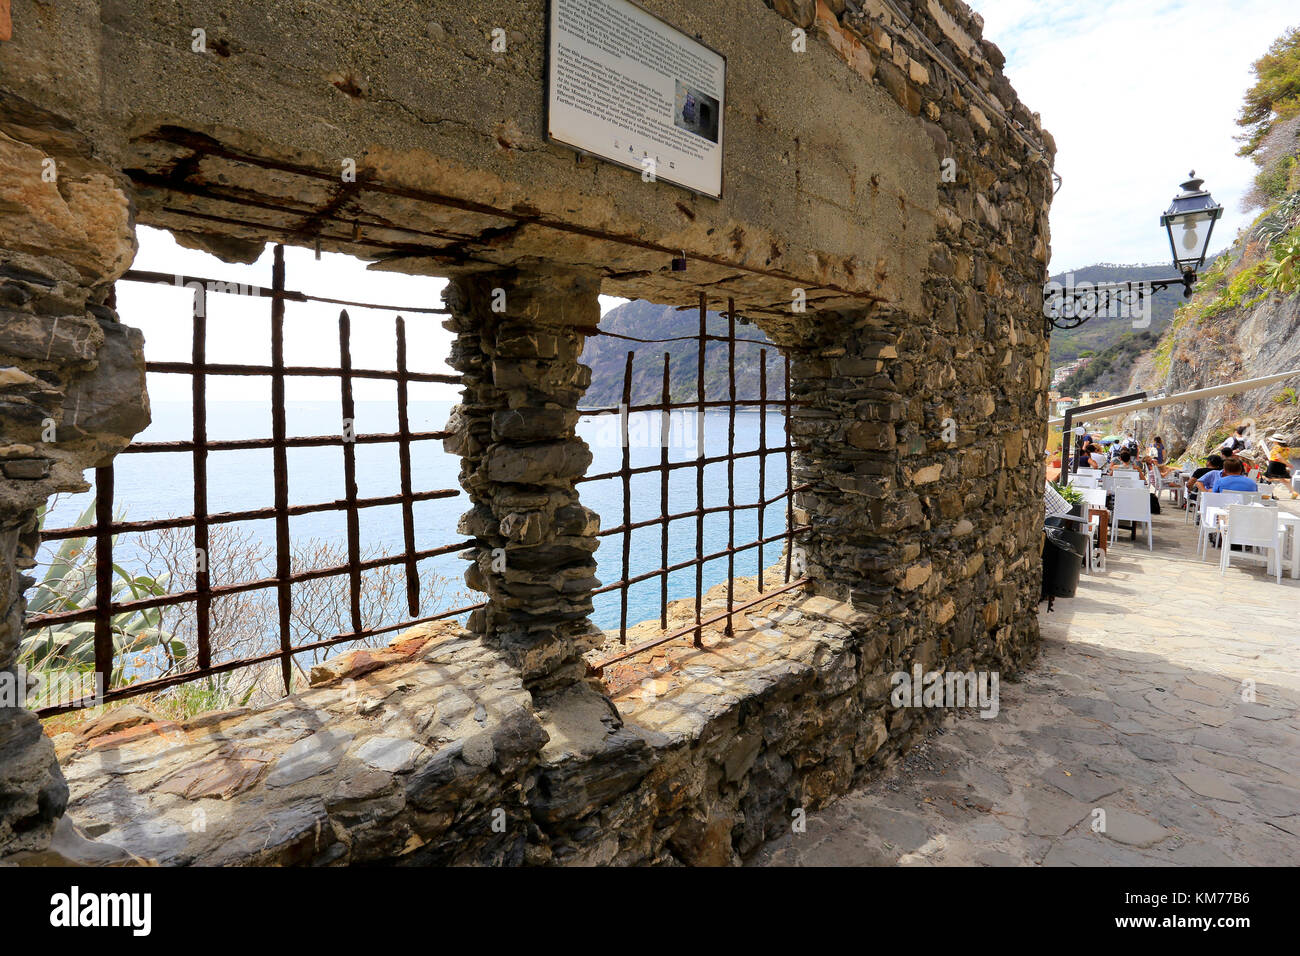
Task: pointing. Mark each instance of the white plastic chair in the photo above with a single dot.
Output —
(1254, 527)
(1132, 504)
(1113, 483)
(1094, 472)
(1159, 483)
(1193, 501)
(1210, 499)
(1083, 481)
(1094, 498)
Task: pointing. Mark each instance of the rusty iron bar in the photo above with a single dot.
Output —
(731, 461)
(350, 466)
(700, 466)
(675, 338)
(599, 666)
(626, 471)
(242, 587)
(227, 517)
(695, 512)
(404, 463)
(285, 577)
(695, 463)
(673, 406)
(789, 475)
(201, 596)
(171, 680)
(283, 555)
(249, 444)
(704, 559)
(665, 425)
(762, 454)
(202, 552)
(298, 371)
(235, 288)
(102, 613)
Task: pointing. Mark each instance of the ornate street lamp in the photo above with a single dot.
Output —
(1189, 222)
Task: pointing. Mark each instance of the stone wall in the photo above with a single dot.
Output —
(923, 427)
(71, 394)
(432, 752)
(888, 173)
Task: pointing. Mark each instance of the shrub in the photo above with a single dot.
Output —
(156, 642)
(1281, 272)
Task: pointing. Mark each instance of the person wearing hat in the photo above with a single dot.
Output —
(1280, 453)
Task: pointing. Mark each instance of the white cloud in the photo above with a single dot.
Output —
(1136, 94)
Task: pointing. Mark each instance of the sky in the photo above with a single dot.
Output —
(1136, 94)
(239, 325)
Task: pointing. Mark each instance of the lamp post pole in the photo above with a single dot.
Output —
(1066, 426)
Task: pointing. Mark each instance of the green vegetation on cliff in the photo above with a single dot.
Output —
(1275, 96)
(1097, 335)
(1109, 370)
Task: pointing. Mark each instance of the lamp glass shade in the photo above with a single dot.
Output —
(1189, 221)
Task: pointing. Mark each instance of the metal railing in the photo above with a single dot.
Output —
(198, 599)
(201, 520)
(697, 515)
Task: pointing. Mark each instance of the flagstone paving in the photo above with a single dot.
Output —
(1131, 740)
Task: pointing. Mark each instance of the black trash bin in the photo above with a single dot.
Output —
(1063, 553)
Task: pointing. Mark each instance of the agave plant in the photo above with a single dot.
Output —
(69, 585)
(1280, 221)
(1282, 270)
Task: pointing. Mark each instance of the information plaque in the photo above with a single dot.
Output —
(627, 87)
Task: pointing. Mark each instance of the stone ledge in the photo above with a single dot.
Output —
(431, 752)
(377, 762)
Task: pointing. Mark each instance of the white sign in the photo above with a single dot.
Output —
(625, 86)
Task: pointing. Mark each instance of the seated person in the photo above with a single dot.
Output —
(1207, 481)
(1127, 463)
(1214, 469)
(1095, 456)
(1233, 477)
(1235, 442)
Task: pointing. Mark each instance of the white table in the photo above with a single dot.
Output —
(1287, 523)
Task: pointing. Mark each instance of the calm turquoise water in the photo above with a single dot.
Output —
(160, 485)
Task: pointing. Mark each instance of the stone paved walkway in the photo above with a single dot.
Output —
(1134, 708)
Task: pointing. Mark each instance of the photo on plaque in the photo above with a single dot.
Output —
(697, 112)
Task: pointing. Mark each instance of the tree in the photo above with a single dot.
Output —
(1276, 93)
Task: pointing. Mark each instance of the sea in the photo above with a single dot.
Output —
(153, 486)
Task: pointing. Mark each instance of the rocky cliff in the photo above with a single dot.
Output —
(607, 356)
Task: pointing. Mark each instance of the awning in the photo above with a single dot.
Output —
(1195, 396)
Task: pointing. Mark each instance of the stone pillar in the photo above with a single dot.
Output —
(518, 339)
(71, 396)
(856, 547)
